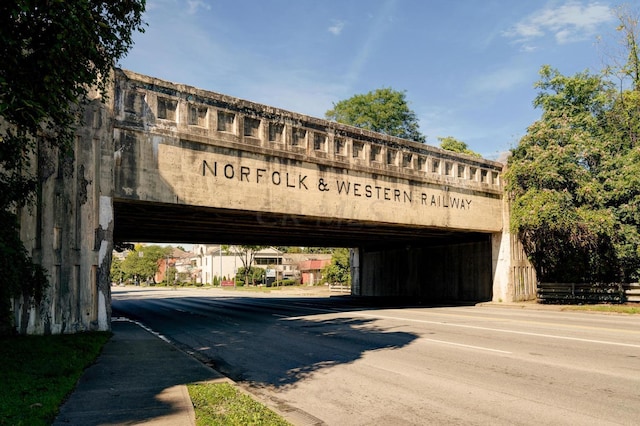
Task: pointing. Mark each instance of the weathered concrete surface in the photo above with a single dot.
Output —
(166, 162)
(69, 231)
(328, 170)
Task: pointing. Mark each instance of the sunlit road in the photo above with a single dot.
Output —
(334, 361)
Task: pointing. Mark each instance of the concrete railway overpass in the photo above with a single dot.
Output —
(165, 162)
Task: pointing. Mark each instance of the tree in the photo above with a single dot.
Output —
(53, 53)
(246, 254)
(574, 178)
(339, 270)
(117, 274)
(625, 59)
(452, 144)
(383, 110)
(252, 275)
(574, 181)
(143, 262)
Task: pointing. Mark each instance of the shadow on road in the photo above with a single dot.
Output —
(264, 341)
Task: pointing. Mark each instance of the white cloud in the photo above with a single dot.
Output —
(336, 27)
(570, 22)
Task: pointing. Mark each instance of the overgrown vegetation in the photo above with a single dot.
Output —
(452, 144)
(223, 404)
(574, 178)
(383, 110)
(53, 53)
(339, 270)
(37, 373)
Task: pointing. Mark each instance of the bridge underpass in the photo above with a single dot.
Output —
(419, 263)
(167, 223)
(168, 163)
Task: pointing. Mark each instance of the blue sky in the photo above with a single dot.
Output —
(467, 66)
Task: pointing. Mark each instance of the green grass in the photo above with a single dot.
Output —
(38, 372)
(223, 404)
(621, 309)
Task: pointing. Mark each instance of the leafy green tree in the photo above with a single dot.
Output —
(143, 262)
(251, 275)
(452, 144)
(170, 277)
(52, 53)
(339, 270)
(555, 208)
(383, 110)
(318, 250)
(20, 276)
(247, 254)
(117, 274)
(575, 177)
(574, 181)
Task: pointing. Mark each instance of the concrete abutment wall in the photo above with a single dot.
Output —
(69, 230)
(449, 272)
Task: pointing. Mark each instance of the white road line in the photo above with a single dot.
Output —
(528, 322)
(465, 346)
(524, 333)
(475, 327)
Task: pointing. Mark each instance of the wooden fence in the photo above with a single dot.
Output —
(588, 293)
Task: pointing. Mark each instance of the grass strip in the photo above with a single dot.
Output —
(223, 404)
(620, 309)
(38, 372)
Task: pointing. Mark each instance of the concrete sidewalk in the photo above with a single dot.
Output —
(137, 379)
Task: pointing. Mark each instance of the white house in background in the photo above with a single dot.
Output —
(210, 261)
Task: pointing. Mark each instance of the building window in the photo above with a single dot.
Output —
(473, 173)
(358, 150)
(251, 127)
(299, 137)
(167, 109)
(197, 116)
(319, 141)
(133, 102)
(276, 130)
(494, 178)
(339, 146)
(435, 166)
(406, 160)
(448, 168)
(226, 122)
(392, 156)
(375, 152)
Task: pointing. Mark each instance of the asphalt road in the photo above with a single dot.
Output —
(337, 361)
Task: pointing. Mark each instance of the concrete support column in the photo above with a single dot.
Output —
(354, 254)
(501, 265)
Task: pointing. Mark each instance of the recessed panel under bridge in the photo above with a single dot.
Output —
(197, 166)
